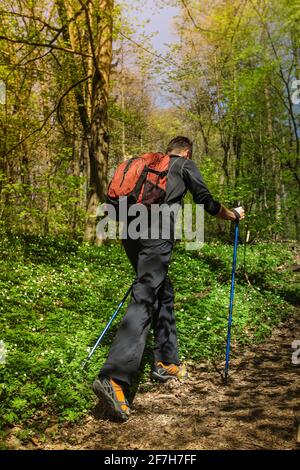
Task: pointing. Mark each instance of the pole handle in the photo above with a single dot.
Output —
(237, 215)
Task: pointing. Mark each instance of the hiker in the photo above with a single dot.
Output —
(152, 293)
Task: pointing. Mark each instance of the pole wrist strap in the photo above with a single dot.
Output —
(237, 216)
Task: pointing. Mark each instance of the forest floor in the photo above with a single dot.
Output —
(259, 408)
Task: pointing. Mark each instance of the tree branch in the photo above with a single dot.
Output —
(286, 82)
(34, 18)
(65, 94)
(40, 128)
(38, 44)
(199, 28)
(87, 17)
(169, 62)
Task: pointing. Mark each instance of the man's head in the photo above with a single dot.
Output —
(180, 146)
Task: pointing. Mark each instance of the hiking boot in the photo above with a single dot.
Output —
(164, 372)
(111, 394)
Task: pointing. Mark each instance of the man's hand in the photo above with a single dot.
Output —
(241, 212)
(228, 214)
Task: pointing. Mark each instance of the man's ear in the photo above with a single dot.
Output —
(185, 153)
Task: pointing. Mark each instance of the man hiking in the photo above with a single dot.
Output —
(152, 293)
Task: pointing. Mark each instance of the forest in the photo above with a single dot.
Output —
(80, 97)
(82, 89)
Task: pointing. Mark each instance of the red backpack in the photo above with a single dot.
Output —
(141, 179)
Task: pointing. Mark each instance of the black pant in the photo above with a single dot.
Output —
(152, 299)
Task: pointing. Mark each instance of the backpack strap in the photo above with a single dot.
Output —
(127, 168)
(159, 173)
(140, 183)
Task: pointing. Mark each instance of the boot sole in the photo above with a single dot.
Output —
(163, 378)
(112, 406)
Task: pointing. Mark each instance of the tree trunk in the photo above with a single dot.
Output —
(123, 104)
(275, 164)
(297, 225)
(98, 142)
(92, 106)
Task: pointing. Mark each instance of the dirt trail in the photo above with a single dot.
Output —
(258, 409)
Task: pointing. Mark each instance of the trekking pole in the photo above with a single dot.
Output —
(236, 235)
(107, 327)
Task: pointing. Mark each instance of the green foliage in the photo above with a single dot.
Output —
(203, 284)
(53, 204)
(57, 295)
(233, 83)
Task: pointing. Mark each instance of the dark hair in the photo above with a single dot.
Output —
(178, 144)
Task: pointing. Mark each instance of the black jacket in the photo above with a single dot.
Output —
(184, 176)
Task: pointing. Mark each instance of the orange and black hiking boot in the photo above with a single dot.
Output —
(112, 396)
(164, 372)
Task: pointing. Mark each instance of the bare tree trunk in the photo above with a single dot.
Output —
(123, 104)
(226, 149)
(98, 143)
(297, 225)
(237, 146)
(221, 223)
(275, 164)
(93, 106)
(76, 155)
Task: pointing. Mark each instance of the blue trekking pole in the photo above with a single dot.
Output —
(236, 235)
(107, 327)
